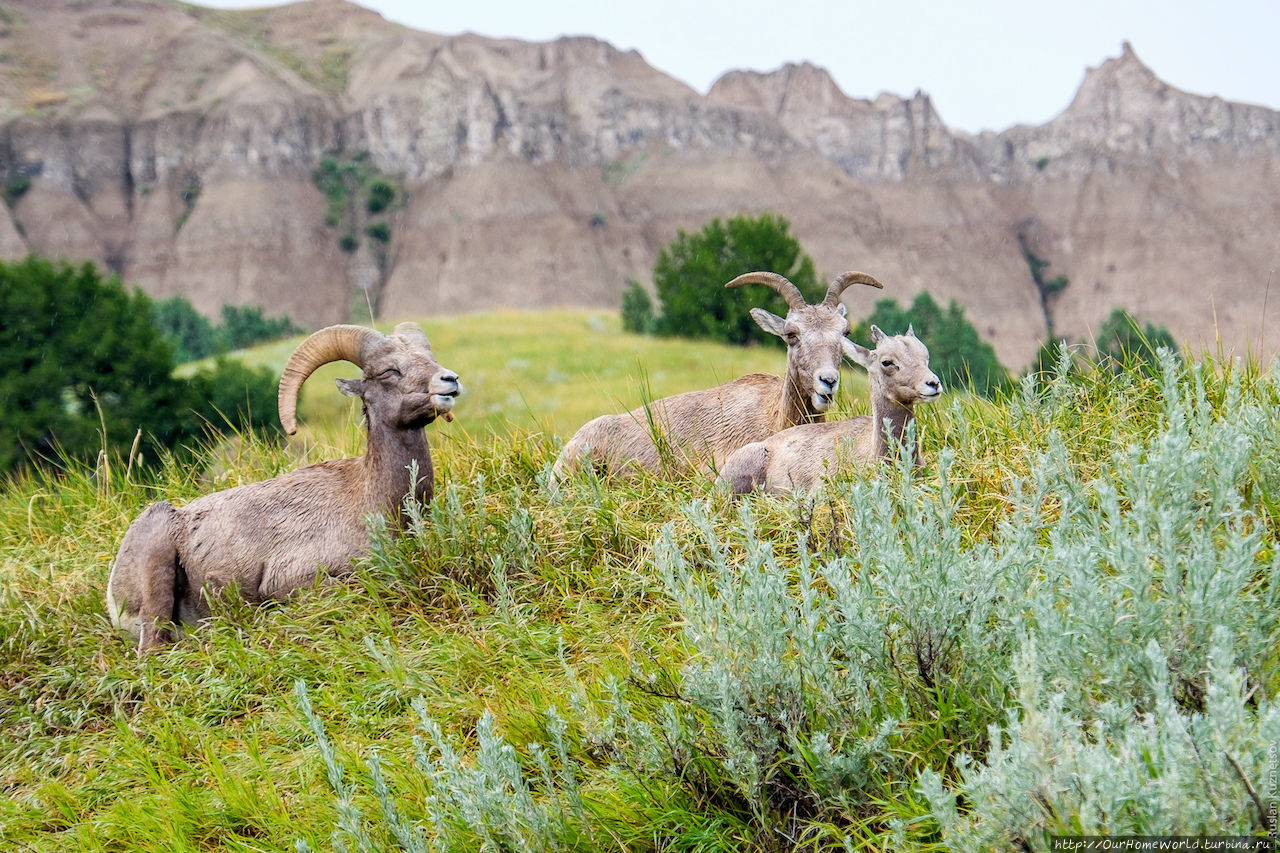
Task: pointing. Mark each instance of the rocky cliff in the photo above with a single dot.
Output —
(180, 147)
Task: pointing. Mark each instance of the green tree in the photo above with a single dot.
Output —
(83, 368)
(690, 275)
(232, 396)
(637, 309)
(82, 365)
(957, 352)
(193, 337)
(1124, 343)
(243, 326)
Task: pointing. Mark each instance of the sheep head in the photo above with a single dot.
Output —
(897, 368)
(403, 386)
(814, 334)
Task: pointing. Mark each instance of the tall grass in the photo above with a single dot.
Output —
(1066, 622)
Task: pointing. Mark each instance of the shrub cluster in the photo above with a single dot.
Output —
(914, 661)
(84, 370)
(356, 190)
(194, 337)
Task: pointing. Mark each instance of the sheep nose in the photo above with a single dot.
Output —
(934, 385)
(828, 380)
(448, 378)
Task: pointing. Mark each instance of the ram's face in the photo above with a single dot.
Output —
(404, 386)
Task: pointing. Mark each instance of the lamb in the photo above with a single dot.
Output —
(701, 428)
(268, 539)
(797, 458)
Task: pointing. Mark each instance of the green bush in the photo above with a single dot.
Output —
(347, 181)
(16, 187)
(1124, 343)
(956, 352)
(244, 325)
(381, 194)
(691, 272)
(193, 337)
(379, 231)
(637, 309)
(231, 397)
(84, 369)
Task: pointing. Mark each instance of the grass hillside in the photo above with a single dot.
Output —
(548, 372)
(1066, 623)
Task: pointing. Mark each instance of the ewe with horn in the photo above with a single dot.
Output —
(270, 538)
(697, 430)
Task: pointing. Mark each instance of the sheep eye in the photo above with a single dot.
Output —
(792, 339)
(886, 364)
(389, 373)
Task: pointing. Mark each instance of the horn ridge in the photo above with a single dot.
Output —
(332, 343)
(780, 284)
(845, 280)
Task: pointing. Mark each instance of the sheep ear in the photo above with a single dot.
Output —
(911, 330)
(876, 335)
(351, 387)
(842, 309)
(856, 352)
(771, 323)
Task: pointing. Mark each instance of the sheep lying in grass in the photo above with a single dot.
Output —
(699, 429)
(267, 539)
(797, 458)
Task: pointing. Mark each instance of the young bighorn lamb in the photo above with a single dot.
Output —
(267, 539)
(797, 458)
(701, 428)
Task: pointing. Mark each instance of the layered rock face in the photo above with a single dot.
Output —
(179, 147)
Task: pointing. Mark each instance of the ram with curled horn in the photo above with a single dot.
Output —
(695, 432)
(268, 539)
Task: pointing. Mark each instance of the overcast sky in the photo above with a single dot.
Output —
(987, 64)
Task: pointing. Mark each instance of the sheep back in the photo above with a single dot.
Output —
(695, 431)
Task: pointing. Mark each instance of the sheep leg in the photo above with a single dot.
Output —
(146, 577)
(747, 471)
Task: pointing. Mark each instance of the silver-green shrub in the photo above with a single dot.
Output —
(1101, 659)
(1162, 772)
(1158, 546)
(495, 801)
(489, 803)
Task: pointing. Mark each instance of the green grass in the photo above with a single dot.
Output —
(548, 372)
(507, 600)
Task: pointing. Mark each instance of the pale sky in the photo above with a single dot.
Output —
(987, 64)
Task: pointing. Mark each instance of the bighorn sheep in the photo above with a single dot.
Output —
(269, 538)
(797, 458)
(700, 428)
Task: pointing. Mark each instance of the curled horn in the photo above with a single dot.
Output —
(333, 343)
(845, 279)
(784, 288)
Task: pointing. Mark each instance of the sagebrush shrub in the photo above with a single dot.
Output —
(1098, 656)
